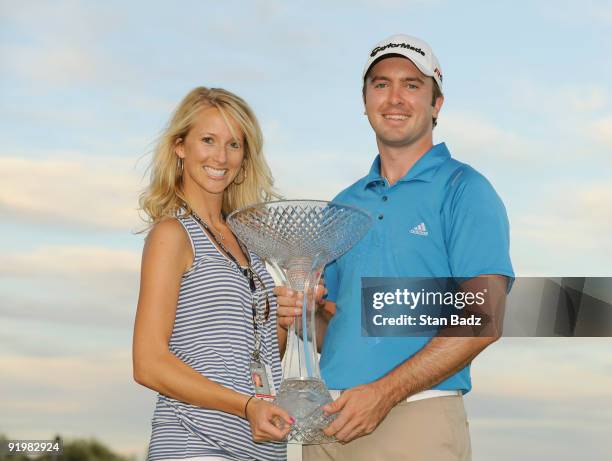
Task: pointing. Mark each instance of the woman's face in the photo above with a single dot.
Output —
(212, 156)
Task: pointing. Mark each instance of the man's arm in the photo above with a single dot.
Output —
(323, 315)
(363, 408)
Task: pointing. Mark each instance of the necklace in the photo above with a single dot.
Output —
(217, 232)
(219, 243)
(246, 271)
(259, 318)
(208, 227)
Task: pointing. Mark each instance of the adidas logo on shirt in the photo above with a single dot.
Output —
(419, 229)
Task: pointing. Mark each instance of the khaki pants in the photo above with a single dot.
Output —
(433, 429)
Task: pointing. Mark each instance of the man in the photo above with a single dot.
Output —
(401, 397)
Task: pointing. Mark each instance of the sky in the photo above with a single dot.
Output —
(86, 87)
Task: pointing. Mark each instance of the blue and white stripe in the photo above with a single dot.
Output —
(213, 333)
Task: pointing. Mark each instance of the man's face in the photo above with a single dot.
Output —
(398, 102)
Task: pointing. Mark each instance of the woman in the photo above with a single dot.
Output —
(203, 299)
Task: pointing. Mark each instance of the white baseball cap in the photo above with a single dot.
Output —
(418, 51)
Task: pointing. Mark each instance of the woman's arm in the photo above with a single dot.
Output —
(281, 333)
(166, 256)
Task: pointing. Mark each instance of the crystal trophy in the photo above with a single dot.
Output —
(297, 238)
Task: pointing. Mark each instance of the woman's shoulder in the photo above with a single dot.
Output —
(168, 242)
(168, 233)
(168, 227)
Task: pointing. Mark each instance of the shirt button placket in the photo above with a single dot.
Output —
(383, 187)
(384, 198)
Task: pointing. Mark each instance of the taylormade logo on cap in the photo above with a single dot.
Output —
(395, 45)
(418, 51)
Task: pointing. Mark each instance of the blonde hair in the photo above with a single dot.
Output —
(164, 196)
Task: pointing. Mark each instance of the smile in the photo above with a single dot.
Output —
(214, 172)
(395, 117)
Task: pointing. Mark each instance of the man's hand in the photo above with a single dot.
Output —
(361, 408)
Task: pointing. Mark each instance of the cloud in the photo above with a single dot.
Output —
(66, 374)
(579, 121)
(72, 190)
(403, 4)
(316, 174)
(524, 369)
(565, 231)
(528, 395)
(560, 122)
(555, 126)
(72, 44)
(63, 65)
(485, 142)
(554, 100)
(302, 173)
(602, 131)
(71, 285)
(62, 45)
(592, 99)
(588, 14)
(65, 304)
(69, 260)
(477, 137)
(86, 396)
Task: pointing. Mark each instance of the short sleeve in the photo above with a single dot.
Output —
(330, 275)
(478, 234)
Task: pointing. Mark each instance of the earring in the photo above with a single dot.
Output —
(244, 175)
(180, 166)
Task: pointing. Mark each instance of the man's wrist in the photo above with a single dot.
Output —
(322, 314)
(389, 389)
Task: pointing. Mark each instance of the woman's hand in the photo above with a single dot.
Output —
(268, 421)
(290, 303)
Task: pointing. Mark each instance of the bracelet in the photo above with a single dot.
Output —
(246, 405)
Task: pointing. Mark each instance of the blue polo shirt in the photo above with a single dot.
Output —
(442, 219)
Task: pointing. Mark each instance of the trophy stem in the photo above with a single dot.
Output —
(309, 333)
(302, 392)
(302, 275)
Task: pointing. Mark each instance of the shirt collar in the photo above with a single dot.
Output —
(423, 170)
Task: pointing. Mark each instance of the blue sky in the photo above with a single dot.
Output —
(87, 86)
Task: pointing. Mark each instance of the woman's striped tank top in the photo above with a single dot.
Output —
(213, 333)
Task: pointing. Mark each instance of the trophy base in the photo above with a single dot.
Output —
(303, 399)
